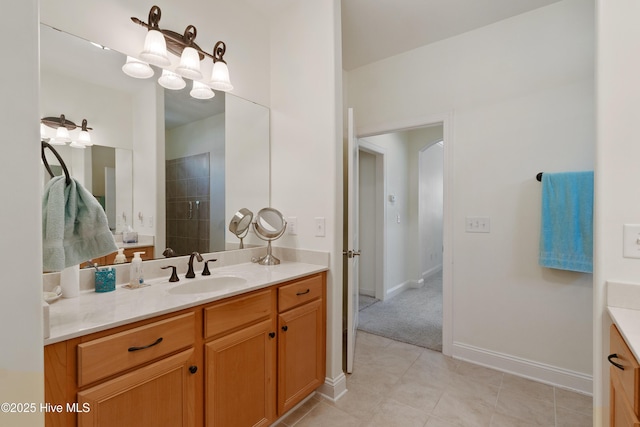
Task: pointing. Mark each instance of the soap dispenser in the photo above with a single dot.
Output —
(120, 258)
(136, 276)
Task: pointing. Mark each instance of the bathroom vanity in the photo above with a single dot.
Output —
(623, 302)
(243, 354)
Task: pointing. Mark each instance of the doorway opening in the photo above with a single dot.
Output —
(401, 229)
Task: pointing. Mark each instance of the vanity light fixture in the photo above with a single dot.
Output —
(156, 45)
(62, 127)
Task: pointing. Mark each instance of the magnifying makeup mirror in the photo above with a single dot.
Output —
(240, 224)
(269, 226)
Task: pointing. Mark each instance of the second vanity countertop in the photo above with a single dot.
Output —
(93, 312)
(623, 306)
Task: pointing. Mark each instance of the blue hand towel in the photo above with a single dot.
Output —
(74, 226)
(566, 232)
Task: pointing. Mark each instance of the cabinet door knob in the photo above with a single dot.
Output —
(193, 369)
(272, 334)
(285, 328)
(617, 365)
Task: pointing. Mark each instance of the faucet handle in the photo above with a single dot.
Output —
(206, 271)
(174, 275)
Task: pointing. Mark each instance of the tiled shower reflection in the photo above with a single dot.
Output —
(188, 203)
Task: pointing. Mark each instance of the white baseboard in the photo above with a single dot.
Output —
(540, 372)
(333, 388)
(431, 271)
(397, 289)
(367, 292)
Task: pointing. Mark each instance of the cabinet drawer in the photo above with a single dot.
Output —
(106, 356)
(300, 292)
(629, 377)
(237, 312)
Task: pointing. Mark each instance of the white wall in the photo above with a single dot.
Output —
(306, 140)
(398, 226)
(616, 202)
(367, 224)
(21, 360)
(429, 198)
(520, 94)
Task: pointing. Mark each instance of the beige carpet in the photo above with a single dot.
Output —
(413, 316)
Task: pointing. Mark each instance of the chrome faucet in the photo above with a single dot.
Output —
(190, 274)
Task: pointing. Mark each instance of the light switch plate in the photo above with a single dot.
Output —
(478, 224)
(320, 226)
(631, 241)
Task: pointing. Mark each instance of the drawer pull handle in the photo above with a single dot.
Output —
(272, 334)
(303, 293)
(285, 328)
(617, 365)
(158, 341)
(193, 369)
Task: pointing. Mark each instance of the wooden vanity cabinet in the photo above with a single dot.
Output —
(241, 361)
(141, 374)
(301, 340)
(624, 392)
(128, 253)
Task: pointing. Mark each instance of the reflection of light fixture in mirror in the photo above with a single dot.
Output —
(201, 91)
(240, 223)
(137, 69)
(62, 127)
(269, 225)
(84, 138)
(159, 41)
(170, 80)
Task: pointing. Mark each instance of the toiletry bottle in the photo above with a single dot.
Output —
(120, 258)
(136, 276)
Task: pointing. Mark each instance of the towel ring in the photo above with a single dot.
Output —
(46, 164)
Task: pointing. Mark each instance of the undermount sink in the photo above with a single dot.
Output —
(209, 284)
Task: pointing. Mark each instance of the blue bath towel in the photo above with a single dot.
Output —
(74, 226)
(566, 232)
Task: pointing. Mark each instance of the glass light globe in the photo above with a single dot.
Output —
(155, 49)
(76, 144)
(137, 69)
(171, 80)
(201, 91)
(62, 136)
(189, 64)
(84, 138)
(220, 77)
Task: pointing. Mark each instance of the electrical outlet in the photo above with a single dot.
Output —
(631, 241)
(320, 227)
(292, 225)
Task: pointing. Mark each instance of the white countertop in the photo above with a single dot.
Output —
(623, 305)
(93, 312)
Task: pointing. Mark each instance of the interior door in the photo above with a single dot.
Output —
(352, 250)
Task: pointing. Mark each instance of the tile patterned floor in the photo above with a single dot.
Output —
(398, 384)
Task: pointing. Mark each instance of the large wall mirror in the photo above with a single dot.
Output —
(216, 151)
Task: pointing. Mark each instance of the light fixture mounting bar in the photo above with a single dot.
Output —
(177, 42)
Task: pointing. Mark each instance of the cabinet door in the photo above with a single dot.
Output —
(301, 353)
(240, 385)
(159, 394)
(621, 412)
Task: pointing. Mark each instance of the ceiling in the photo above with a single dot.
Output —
(376, 29)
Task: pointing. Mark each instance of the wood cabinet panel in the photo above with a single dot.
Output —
(301, 353)
(629, 377)
(103, 357)
(621, 413)
(299, 292)
(159, 394)
(240, 385)
(237, 312)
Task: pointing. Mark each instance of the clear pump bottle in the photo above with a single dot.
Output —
(136, 275)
